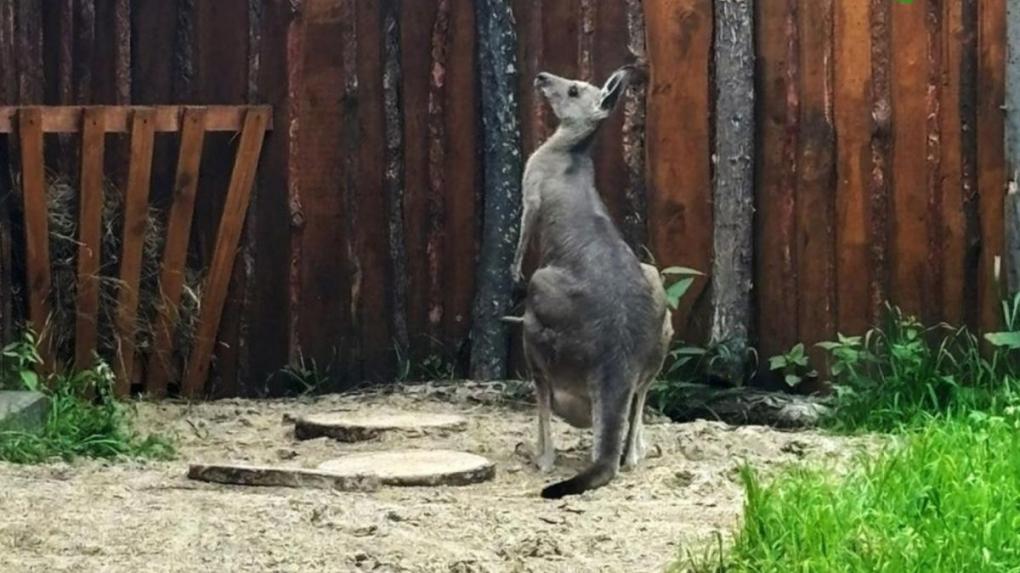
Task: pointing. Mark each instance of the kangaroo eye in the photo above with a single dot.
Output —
(572, 92)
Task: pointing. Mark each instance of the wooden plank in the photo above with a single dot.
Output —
(463, 176)
(911, 279)
(320, 287)
(933, 161)
(815, 211)
(852, 102)
(610, 40)
(277, 292)
(231, 224)
(991, 171)
(416, 22)
(954, 275)
(37, 238)
(371, 221)
(166, 118)
(136, 210)
(90, 229)
(776, 278)
(175, 251)
(679, 171)
(29, 51)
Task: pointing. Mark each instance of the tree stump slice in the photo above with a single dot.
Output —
(347, 427)
(266, 476)
(415, 467)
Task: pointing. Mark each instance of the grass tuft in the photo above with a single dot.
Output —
(944, 499)
(76, 426)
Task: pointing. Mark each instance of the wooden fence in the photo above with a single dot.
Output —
(880, 166)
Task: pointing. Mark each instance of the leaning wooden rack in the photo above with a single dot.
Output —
(28, 124)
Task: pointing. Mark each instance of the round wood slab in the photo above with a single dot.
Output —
(353, 427)
(414, 467)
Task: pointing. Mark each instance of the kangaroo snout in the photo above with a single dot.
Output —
(542, 79)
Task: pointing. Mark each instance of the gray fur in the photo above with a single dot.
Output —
(596, 325)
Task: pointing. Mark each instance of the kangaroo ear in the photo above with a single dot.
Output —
(613, 88)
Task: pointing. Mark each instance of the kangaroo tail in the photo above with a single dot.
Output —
(613, 400)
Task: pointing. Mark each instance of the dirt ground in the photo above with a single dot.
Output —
(134, 516)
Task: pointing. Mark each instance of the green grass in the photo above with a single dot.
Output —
(945, 494)
(76, 426)
(947, 498)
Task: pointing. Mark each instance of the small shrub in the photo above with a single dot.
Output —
(76, 426)
(904, 372)
(793, 365)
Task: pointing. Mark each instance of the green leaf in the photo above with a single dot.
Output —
(777, 363)
(29, 380)
(690, 351)
(792, 380)
(682, 271)
(830, 346)
(1010, 340)
(677, 290)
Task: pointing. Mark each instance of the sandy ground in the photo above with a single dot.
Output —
(132, 516)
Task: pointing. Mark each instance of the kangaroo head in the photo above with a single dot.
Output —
(578, 102)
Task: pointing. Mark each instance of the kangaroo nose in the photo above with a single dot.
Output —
(541, 79)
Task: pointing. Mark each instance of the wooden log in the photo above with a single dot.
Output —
(497, 45)
(415, 467)
(227, 237)
(90, 223)
(733, 215)
(746, 405)
(264, 476)
(136, 210)
(171, 278)
(358, 428)
(37, 238)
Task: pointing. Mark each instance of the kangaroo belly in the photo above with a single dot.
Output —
(574, 408)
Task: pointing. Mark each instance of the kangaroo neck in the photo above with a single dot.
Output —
(574, 137)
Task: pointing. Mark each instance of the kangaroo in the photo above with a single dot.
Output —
(596, 326)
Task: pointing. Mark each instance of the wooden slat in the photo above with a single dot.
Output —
(67, 119)
(369, 190)
(991, 170)
(37, 245)
(171, 278)
(610, 170)
(910, 276)
(416, 20)
(229, 233)
(136, 205)
(319, 287)
(679, 171)
(462, 175)
(815, 179)
(852, 65)
(776, 280)
(90, 222)
(953, 218)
